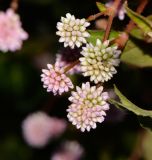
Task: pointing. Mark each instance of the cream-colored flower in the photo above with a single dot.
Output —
(99, 61)
(88, 107)
(72, 31)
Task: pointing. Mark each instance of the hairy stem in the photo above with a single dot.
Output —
(71, 66)
(95, 16)
(139, 10)
(123, 38)
(113, 10)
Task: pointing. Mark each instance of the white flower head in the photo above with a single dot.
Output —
(55, 80)
(99, 61)
(72, 31)
(88, 107)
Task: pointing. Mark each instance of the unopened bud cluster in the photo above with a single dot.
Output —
(99, 61)
(72, 31)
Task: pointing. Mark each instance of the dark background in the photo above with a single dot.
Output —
(22, 92)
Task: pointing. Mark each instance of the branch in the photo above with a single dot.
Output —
(71, 66)
(139, 10)
(113, 11)
(123, 38)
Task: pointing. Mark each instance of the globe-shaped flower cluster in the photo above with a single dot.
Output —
(11, 32)
(55, 80)
(38, 128)
(88, 106)
(99, 61)
(72, 31)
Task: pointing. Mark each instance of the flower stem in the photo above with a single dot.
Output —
(14, 5)
(123, 38)
(71, 66)
(114, 8)
(95, 16)
(139, 10)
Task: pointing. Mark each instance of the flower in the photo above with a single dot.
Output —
(11, 32)
(99, 61)
(38, 128)
(55, 80)
(88, 106)
(72, 31)
(71, 150)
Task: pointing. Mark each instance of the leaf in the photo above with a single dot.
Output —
(96, 34)
(101, 7)
(141, 21)
(137, 33)
(144, 116)
(136, 56)
(125, 103)
(149, 18)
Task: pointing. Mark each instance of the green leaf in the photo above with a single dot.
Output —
(96, 34)
(144, 116)
(101, 7)
(149, 18)
(125, 103)
(141, 21)
(137, 33)
(134, 55)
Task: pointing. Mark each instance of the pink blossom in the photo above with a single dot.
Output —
(71, 150)
(38, 128)
(55, 80)
(11, 32)
(88, 106)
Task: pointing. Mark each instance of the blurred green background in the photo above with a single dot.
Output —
(22, 92)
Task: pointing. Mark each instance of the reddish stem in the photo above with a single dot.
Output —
(123, 38)
(95, 16)
(139, 10)
(14, 5)
(113, 10)
(71, 66)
